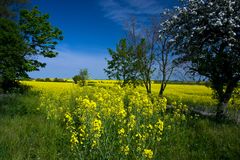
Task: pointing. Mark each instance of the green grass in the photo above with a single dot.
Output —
(25, 133)
(201, 139)
(28, 137)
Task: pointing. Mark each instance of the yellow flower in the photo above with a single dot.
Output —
(68, 117)
(94, 143)
(121, 131)
(125, 150)
(97, 124)
(148, 153)
(150, 126)
(97, 127)
(138, 135)
(132, 122)
(74, 139)
(159, 125)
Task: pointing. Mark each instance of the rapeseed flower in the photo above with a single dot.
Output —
(148, 153)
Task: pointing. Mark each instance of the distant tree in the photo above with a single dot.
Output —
(83, 77)
(22, 43)
(121, 65)
(58, 80)
(39, 80)
(76, 78)
(47, 80)
(207, 35)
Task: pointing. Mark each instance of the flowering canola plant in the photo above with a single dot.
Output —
(106, 122)
(115, 122)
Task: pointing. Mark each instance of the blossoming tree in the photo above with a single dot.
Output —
(207, 35)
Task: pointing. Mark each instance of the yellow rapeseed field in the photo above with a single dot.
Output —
(110, 122)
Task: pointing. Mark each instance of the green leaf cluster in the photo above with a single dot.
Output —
(22, 42)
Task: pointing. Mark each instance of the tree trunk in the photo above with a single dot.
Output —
(148, 87)
(161, 90)
(221, 110)
(163, 84)
(224, 98)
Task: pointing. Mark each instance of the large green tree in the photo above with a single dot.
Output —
(207, 35)
(12, 49)
(23, 42)
(40, 37)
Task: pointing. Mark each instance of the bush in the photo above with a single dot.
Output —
(58, 80)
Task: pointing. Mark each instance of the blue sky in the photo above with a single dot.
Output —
(89, 28)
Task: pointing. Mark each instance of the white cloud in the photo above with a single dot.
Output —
(121, 11)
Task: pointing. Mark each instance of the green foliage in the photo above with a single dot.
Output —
(207, 38)
(12, 51)
(76, 78)
(57, 80)
(47, 80)
(144, 62)
(21, 43)
(40, 37)
(235, 104)
(82, 77)
(122, 64)
(133, 60)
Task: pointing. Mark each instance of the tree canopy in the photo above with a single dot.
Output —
(21, 42)
(121, 66)
(207, 35)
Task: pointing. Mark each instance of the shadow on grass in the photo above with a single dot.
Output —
(20, 101)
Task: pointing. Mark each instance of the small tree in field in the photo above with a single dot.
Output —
(121, 66)
(146, 53)
(76, 78)
(207, 35)
(145, 61)
(82, 77)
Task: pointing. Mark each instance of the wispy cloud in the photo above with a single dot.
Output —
(68, 63)
(120, 11)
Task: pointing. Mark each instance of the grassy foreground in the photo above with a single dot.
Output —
(27, 133)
